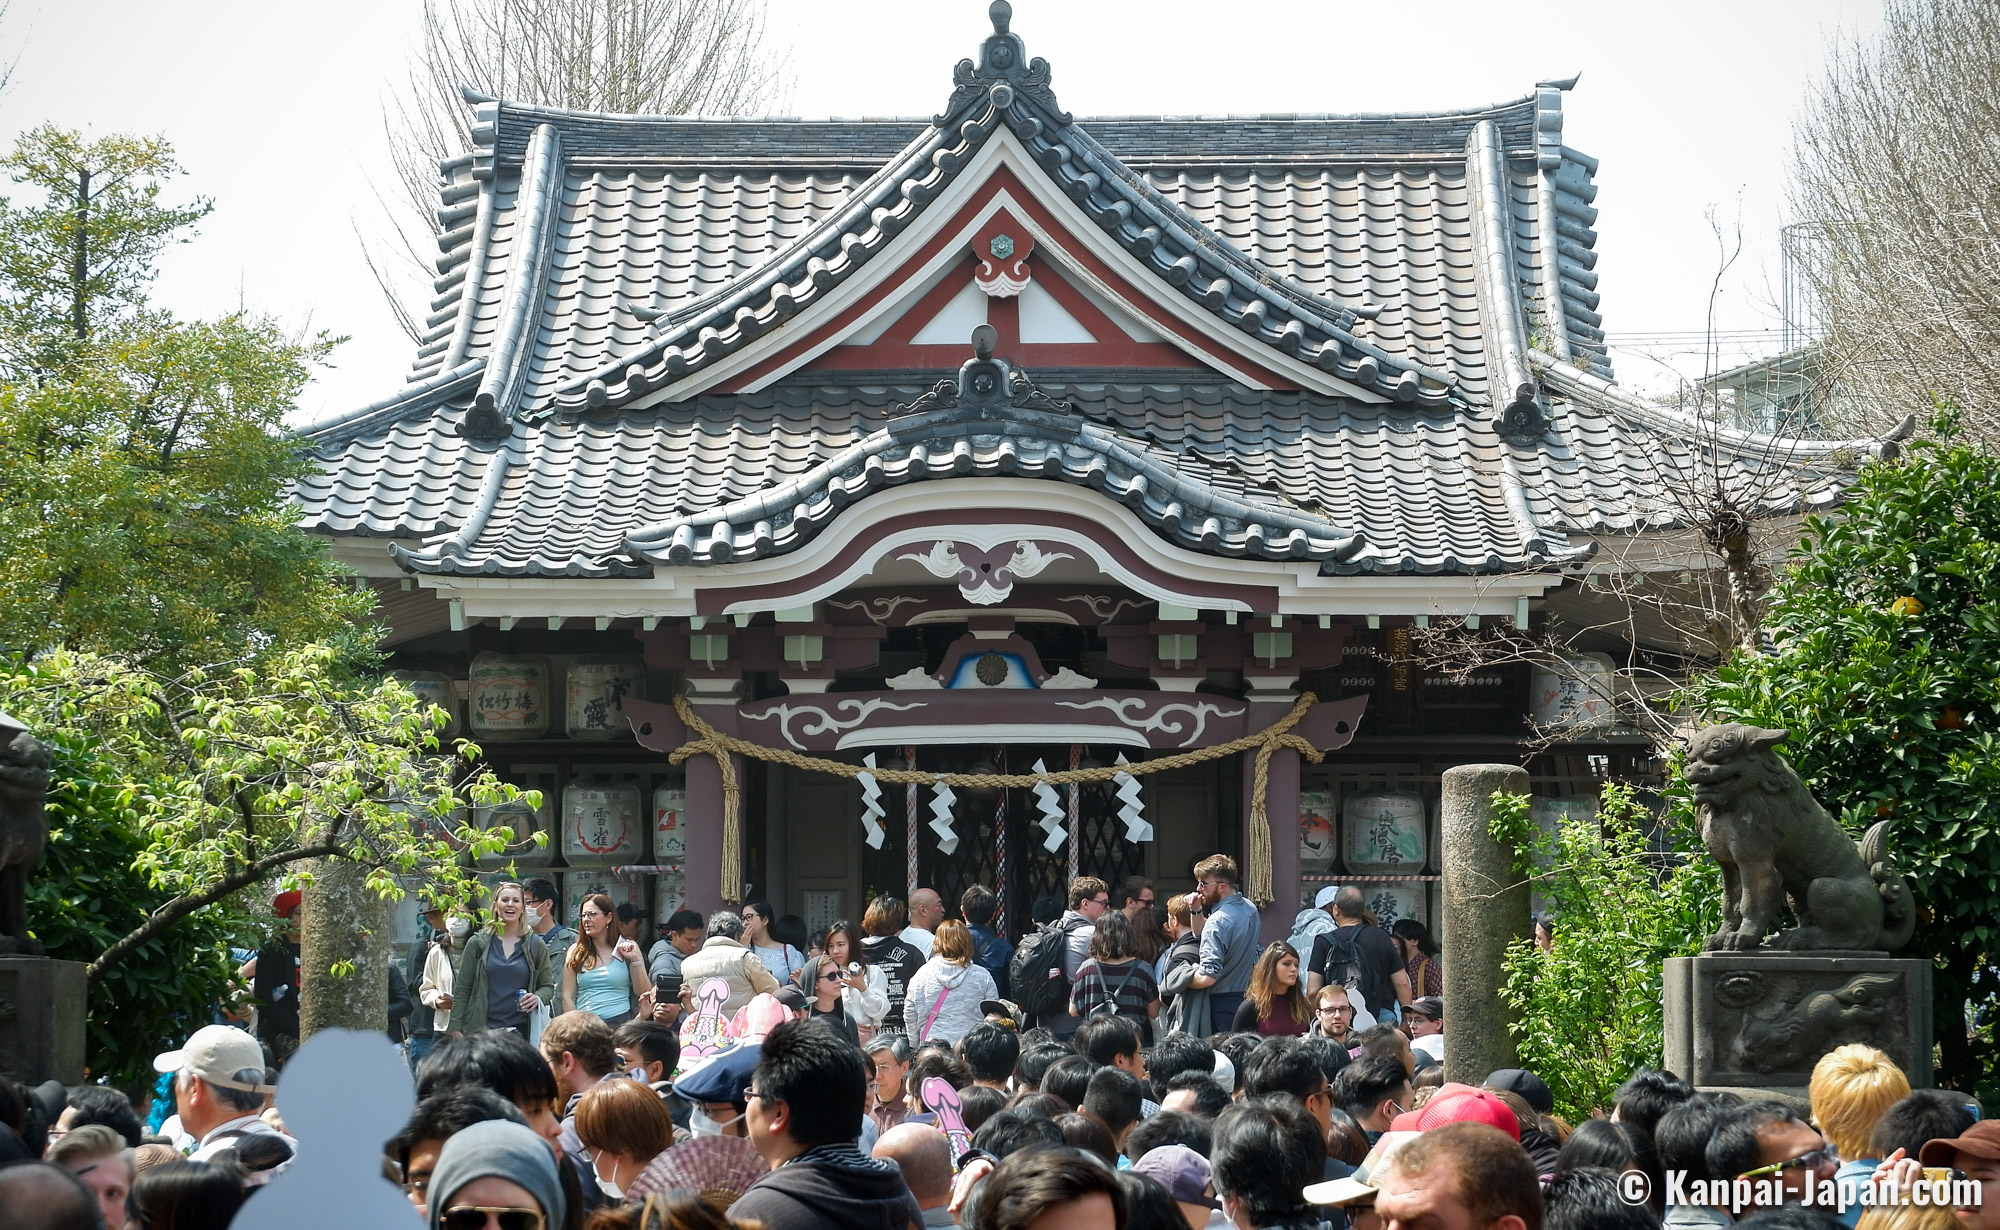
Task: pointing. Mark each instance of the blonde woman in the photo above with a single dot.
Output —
(503, 974)
(604, 973)
(946, 993)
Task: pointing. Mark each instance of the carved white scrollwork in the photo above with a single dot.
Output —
(1187, 719)
(820, 719)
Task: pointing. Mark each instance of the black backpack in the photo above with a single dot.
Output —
(1343, 966)
(1036, 972)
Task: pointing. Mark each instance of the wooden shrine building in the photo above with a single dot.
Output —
(1001, 440)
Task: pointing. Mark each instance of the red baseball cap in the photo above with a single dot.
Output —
(1456, 1103)
(287, 904)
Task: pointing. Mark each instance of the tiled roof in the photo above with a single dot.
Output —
(1426, 490)
(665, 241)
(1442, 260)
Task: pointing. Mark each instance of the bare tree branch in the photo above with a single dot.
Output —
(648, 57)
(1896, 182)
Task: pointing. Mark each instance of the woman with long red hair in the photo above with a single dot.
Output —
(1275, 1004)
(605, 973)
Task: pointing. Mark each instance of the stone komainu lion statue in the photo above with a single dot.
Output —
(24, 831)
(1775, 843)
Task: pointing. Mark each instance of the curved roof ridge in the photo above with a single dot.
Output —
(1661, 418)
(941, 434)
(341, 424)
(550, 112)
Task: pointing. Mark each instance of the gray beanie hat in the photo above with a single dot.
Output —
(497, 1149)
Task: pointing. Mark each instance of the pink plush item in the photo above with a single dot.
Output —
(756, 1019)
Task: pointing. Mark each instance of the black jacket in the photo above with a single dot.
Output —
(830, 1186)
(399, 1003)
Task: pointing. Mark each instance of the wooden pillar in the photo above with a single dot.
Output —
(1281, 805)
(704, 835)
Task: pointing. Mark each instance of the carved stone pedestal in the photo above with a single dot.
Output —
(41, 1020)
(1758, 1022)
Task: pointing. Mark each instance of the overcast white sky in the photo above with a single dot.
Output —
(275, 108)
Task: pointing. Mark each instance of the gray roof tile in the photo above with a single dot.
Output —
(1423, 488)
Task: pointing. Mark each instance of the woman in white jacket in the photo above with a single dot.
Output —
(946, 993)
(435, 989)
(864, 996)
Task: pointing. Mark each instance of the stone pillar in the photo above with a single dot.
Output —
(41, 1020)
(342, 919)
(1485, 906)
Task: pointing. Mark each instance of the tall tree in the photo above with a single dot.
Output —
(648, 57)
(80, 255)
(1896, 188)
(1884, 632)
(143, 458)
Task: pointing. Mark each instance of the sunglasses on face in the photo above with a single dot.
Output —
(479, 1216)
(1804, 1161)
(832, 975)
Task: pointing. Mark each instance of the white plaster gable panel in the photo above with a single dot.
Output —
(954, 322)
(1044, 321)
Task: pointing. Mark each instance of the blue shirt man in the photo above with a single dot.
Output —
(1229, 944)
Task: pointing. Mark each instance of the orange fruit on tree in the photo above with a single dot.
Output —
(1907, 605)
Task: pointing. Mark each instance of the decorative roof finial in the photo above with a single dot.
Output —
(985, 338)
(1003, 61)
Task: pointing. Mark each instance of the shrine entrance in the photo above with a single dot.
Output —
(1001, 840)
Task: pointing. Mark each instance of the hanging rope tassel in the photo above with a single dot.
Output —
(708, 741)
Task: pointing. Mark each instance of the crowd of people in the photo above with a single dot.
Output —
(1131, 1065)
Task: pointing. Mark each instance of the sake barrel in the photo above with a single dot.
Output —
(594, 693)
(1318, 849)
(436, 688)
(576, 885)
(670, 823)
(669, 895)
(1573, 693)
(602, 823)
(669, 847)
(524, 821)
(1393, 901)
(509, 697)
(1384, 832)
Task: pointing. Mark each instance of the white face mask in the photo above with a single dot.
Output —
(701, 1124)
(459, 927)
(610, 1186)
(637, 1074)
(534, 917)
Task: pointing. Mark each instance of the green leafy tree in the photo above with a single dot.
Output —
(143, 458)
(1588, 1011)
(1884, 665)
(235, 779)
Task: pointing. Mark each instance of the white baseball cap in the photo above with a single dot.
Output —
(216, 1053)
(1326, 896)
